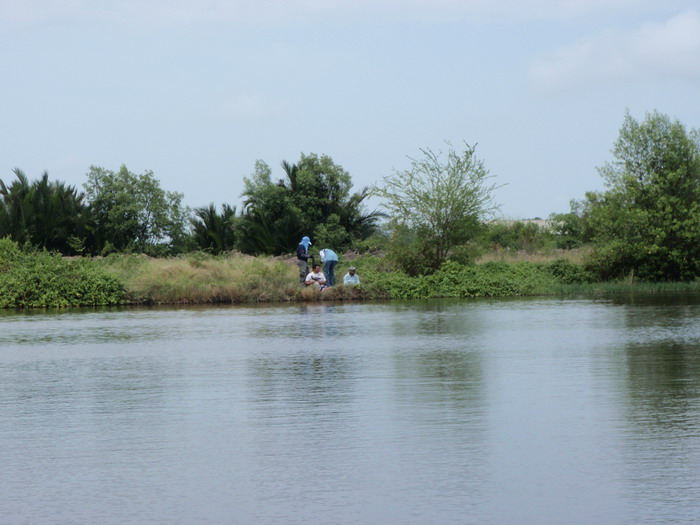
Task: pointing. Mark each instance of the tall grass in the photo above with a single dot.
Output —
(198, 278)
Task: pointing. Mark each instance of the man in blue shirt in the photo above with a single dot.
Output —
(329, 260)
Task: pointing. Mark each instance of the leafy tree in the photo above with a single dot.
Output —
(270, 222)
(440, 199)
(132, 212)
(312, 199)
(214, 232)
(44, 213)
(647, 223)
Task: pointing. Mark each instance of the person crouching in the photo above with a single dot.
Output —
(316, 278)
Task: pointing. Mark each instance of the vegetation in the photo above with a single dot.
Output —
(31, 279)
(200, 279)
(438, 240)
(647, 224)
(131, 213)
(236, 278)
(48, 214)
(435, 206)
(312, 199)
(213, 232)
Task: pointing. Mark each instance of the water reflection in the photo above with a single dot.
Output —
(662, 382)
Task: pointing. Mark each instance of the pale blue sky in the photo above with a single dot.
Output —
(197, 90)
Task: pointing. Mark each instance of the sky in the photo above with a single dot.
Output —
(197, 90)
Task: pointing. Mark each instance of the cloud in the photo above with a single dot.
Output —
(666, 50)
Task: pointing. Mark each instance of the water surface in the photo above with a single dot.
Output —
(490, 411)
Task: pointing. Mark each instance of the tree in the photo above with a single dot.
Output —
(46, 214)
(647, 224)
(132, 212)
(16, 209)
(312, 199)
(270, 222)
(571, 230)
(441, 198)
(214, 232)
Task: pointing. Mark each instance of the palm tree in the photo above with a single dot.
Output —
(46, 214)
(357, 222)
(291, 171)
(15, 209)
(214, 232)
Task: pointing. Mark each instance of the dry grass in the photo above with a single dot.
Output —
(577, 255)
(201, 279)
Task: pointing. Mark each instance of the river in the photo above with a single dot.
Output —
(519, 411)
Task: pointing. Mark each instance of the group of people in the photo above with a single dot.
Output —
(321, 279)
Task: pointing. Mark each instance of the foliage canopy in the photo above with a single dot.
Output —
(43, 213)
(647, 223)
(313, 198)
(133, 213)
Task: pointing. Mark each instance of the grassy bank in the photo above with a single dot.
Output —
(30, 279)
(235, 278)
(200, 279)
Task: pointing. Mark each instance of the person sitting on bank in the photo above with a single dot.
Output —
(316, 278)
(329, 259)
(303, 257)
(351, 277)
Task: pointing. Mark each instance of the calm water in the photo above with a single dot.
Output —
(486, 412)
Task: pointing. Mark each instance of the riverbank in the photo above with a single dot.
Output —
(30, 279)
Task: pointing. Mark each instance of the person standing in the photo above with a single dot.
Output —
(329, 259)
(351, 277)
(303, 256)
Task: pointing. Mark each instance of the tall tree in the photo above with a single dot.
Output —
(312, 199)
(647, 223)
(133, 213)
(437, 202)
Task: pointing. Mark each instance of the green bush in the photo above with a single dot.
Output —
(567, 272)
(518, 236)
(457, 280)
(39, 279)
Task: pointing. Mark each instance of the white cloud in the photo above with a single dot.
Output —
(669, 49)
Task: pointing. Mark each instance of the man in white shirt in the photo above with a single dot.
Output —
(316, 277)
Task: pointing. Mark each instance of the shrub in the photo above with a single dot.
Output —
(39, 279)
(567, 272)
